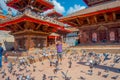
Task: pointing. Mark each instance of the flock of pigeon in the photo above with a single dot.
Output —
(27, 68)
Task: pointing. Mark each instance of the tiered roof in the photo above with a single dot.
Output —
(2, 17)
(32, 17)
(38, 5)
(94, 10)
(27, 14)
(95, 2)
(54, 13)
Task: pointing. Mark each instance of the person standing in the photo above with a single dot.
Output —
(1, 52)
(59, 51)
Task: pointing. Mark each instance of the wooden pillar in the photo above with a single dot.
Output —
(98, 37)
(15, 44)
(22, 42)
(107, 36)
(117, 35)
(114, 16)
(95, 18)
(27, 45)
(46, 41)
(90, 37)
(55, 39)
(29, 42)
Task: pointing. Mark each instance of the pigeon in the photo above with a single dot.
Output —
(8, 78)
(3, 73)
(99, 73)
(70, 63)
(106, 75)
(65, 77)
(81, 78)
(27, 70)
(44, 77)
(112, 65)
(115, 77)
(107, 70)
(90, 72)
(52, 77)
(56, 70)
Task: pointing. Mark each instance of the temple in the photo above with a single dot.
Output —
(35, 5)
(98, 23)
(30, 28)
(54, 14)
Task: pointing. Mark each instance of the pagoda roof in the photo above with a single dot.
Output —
(54, 13)
(94, 10)
(94, 2)
(45, 3)
(29, 16)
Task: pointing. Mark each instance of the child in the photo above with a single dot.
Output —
(6, 58)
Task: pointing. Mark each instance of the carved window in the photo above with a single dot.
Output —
(94, 36)
(112, 36)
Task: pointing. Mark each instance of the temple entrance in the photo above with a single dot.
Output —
(102, 34)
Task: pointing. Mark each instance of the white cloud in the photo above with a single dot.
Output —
(58, 7)
(48, 11)
(75, 8)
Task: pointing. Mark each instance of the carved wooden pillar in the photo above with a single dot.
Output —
(29, 42)
(107, 36)
(90, 37)
(98, 37)
(15, 44)
(23, 42)
(116, 35)
(81, 36)
(46, 41)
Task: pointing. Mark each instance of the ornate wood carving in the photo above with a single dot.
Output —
(29, 25)
(39, 25)
(19, 26)
(78, 21)
(95, 18)
(88, 20)
(106, 17)
(114, 16)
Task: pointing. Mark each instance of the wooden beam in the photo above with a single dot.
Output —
(19, 26)
(45, 27)
(71, 23)
(88, 20)
(106, 17)
(95, 18)
(114, 16)
(78, 21)
(13, 27)
(37, 9)
(38, 26)
(26, 25)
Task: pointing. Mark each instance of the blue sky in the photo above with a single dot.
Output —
(64, 7)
